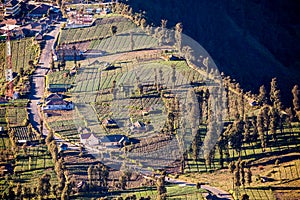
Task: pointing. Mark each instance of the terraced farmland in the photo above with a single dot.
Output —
(66, 129)
(17, 116)
(96, 31)
(23, 51)
(124, 42)
(23, 133)
(58, 77)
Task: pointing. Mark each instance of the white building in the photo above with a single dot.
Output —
(58, 104)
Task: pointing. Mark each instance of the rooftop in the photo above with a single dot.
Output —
(113, 138)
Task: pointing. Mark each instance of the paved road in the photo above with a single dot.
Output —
(38, 80)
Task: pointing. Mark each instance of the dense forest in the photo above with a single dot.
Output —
(248, 40)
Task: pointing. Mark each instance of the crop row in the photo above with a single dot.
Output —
(22, 52)
(22, 133)
(58, 77)
(17, 116)
(72, 35)
(122, 43)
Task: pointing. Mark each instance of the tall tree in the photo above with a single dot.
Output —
(187, 52)
(90, 174)
(161, 188)
(44, 185)
(274, 122)
(262, 97)
(236, 135)
(113, 30)
(296, 92)
(164, 23)
(178, 36)
(260, 130)
(275, 96)
(249, 176)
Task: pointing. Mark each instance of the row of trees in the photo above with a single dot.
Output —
(98, 177)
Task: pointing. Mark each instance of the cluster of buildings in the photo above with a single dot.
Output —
(25, 9)
(26, 19)
(55, 101)
(109, 141)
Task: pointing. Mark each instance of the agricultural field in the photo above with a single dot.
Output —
(66, 129)
(31, 163)
(3, 122)
(59, 77)
(25, 133)
(23, 51)
(177, 192)
(94, 84)
(17, 116)
(145, 90)
(99, 30)
(124, 43)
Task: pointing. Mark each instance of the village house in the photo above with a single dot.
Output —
(58, 104)
(138, 127)
(89, 139)
(83, 130)
(114, 141)
(109, 123)
(53, 96)
(39, 11)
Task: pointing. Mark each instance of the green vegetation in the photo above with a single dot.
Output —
(124, 42)
(59, 77)
(25, 54)
(28, 164)
(23, 51)
(97, 31)
(173, 192)
(243, 159)
(17, 116)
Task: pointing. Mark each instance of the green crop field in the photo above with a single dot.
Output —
(122, 43)
(94, 32)
(173, 192)
(58, 77)
(17, 116)
(66, 129)
(23, 51)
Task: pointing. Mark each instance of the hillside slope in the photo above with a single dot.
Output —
(252, 41)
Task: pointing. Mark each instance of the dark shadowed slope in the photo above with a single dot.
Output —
(252, 41)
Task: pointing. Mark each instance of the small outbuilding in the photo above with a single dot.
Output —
(138, 126)
(114, 141)
(109, 123)
(89, 139)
